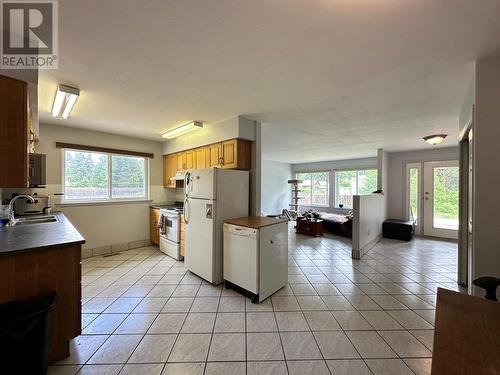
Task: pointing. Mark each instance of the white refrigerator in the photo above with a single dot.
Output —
(211, 196)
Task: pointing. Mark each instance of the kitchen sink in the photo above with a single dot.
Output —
(36, 220)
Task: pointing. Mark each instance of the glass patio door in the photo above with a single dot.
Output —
(440, 199)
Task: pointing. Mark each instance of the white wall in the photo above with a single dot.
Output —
(333, 165)
(396, 177)
(234, 127)
(275, 189)
(367, 222)
(486, 233)
(103, 224)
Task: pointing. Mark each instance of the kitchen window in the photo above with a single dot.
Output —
(355, 182)
(100, 177)
(314, 188)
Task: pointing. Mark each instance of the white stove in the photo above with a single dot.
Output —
(170, 231)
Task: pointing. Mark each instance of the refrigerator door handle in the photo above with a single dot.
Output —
(186, 210)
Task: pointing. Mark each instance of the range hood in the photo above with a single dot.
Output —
(179, 176)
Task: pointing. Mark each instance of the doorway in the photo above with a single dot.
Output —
(432, 197)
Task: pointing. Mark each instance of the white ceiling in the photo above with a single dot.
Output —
(329, 79)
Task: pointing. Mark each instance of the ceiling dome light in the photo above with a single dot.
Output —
(435, 139)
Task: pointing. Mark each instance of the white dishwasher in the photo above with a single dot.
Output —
(255, 256)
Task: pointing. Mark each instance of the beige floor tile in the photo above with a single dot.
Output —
(307, 368)
(227, 347)
(153, 349)
(100, 370)
(267, 368)
(190, 348)
(161, 291)
(362, 302)
(178, 305)
(380, 320)
(335, 345)
(291, 321)
(184, 369)
(348, 367)
(261, 322)
(205, 304)
(351, 320)
(410, 320)
(370, 345)
(287, 303)
(230, 322)
(311, 303)
(142, 369)
(388, 367)
(264, 347)
(167, 323)
(136, 324)
(337, 303)
(321, 321)
(299, 345)
(151, 305)
(225, 368)
(123, 305)
(116, 349)
(420, 366)
(199, 323)
(258, 307)
(231, 303)
(104, 324)
(425, 336)
(81, 348)
(64, 370)
(404, 344)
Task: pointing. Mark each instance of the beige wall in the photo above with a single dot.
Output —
(368, 216)
(486, 233)
(104, 224)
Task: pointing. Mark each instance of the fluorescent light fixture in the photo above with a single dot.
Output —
(64, 101)
(435, 139)
(183, 129)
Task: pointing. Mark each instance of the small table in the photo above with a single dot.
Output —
(466, 337)
(312, 228)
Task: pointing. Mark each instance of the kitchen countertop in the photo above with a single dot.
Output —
(255, 222)
(32, 237)
(165, 204)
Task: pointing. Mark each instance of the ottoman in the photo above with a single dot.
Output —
(398, 229)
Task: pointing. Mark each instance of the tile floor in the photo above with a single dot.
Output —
(143, 313)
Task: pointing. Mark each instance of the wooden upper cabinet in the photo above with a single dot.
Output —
(232, 154)
(200, 158)
(236, 154)
(214, 155)
(13, 133)
(169, 170)
(189, 159)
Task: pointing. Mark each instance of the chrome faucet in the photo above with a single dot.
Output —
(12, 218)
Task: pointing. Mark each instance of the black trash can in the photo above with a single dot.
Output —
(25, 329)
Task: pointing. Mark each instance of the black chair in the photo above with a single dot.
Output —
(489, 284)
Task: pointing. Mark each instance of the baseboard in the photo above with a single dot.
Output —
(357, 254)
(115, 248)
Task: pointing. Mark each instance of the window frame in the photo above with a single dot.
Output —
(110, 198)
(336, 182)
(329, 172)
(419, 167)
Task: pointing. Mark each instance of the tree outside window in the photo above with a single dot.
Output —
(314, 188)
(349, 183)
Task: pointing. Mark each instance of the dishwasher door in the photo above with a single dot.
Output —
(241, 257)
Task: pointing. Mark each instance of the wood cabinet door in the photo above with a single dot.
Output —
(154, 232)
(200, 157)
(169, 170)
(13, 133)
(189, 159)
(181, 159)
(229, 154)
(214, 155)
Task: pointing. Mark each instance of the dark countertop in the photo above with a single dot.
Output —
(24, 238)
(166, 204)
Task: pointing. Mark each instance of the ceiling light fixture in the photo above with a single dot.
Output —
(64, 101)
(435, 139)
(183, 129)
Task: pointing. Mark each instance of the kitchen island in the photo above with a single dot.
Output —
(40, 258)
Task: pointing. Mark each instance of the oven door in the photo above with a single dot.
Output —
(172, 226)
